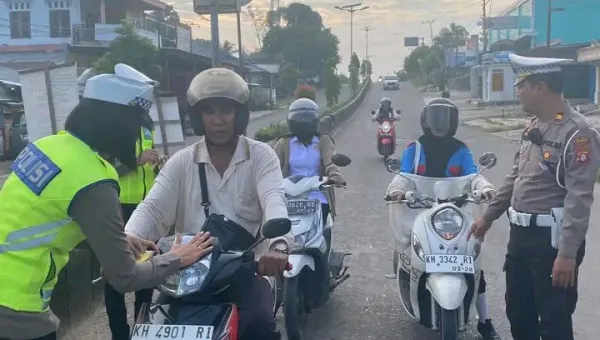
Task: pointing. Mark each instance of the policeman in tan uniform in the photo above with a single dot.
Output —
(547, 197)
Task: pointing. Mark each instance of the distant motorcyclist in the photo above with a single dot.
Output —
(442, 155)
(385, 111)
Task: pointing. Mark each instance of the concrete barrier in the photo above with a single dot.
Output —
(331, 121)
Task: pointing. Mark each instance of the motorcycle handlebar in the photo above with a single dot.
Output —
(254, 267)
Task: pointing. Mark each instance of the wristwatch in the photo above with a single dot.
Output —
(280, 247)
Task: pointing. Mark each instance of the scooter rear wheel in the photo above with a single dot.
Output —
(294, 308)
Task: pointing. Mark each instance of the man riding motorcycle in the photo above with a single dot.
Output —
(385, 111)
(442, 155)
(228, 175)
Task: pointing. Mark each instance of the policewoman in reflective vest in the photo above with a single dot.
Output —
(135, 185)
(64, 189)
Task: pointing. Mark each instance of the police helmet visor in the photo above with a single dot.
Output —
(438, 119)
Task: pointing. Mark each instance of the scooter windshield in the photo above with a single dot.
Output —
(403, 217)
(188, 280)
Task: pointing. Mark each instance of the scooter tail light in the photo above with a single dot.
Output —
(231, 326)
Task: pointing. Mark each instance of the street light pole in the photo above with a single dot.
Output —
(367, 29)
(351, 9)
(430, 23)
(214, 33)
(239, 33)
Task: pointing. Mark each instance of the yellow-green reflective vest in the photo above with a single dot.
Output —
(135, 185)
(36, 231)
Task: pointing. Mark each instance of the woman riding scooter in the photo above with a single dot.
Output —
(306, 152)
(442, 155)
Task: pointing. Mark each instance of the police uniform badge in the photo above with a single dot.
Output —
(581, 148)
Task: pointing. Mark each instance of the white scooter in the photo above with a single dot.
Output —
(316, 269)
(438, 269)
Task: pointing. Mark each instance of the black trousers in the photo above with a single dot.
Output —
(115, 301)
(255, 301)
(533, 306)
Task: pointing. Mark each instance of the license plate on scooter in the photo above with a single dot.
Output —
(302, 207)
(178, 332)
(455, 264)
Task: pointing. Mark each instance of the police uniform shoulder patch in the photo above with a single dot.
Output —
(581, 147)
(35, 169)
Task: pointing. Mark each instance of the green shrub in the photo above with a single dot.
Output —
(271, 132)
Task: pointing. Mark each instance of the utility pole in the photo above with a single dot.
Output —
(351, 9)
(430, 23)
(367, 29)
(214, 33)
(549, 30)
(484, 24)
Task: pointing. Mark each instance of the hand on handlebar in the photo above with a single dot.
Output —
(273, 263)
(337, 181)
(395, 196)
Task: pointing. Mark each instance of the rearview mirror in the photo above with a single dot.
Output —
(276, 227)
(392, 164)
(488, 160)
(340, 160)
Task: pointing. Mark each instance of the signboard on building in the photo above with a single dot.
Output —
(495, 58)
(472, 44)
(184, 39)
(505, 22)
(461, 59)
(225, 6)
(411, 41)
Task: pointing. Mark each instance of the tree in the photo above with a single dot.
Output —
(302, 40)
(452, 37)
(259, 20)
(131, 49)
(332, 87)
(422, 61)
(288, 79)
(354, 69)
(366, 69)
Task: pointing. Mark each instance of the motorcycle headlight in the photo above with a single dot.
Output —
(385, 127)
(447, 223)
(187, 280)
(418, 248)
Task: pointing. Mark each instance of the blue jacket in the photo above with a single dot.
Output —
(460, 164)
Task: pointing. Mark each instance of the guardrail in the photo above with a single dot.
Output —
(331, 121)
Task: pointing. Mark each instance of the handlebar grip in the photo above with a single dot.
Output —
(387, 198)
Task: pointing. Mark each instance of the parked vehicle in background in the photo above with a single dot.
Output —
(12, 113)
(391, 82)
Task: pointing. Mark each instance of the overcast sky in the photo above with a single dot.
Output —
(391, 21)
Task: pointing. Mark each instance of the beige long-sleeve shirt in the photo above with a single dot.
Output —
(250, 192)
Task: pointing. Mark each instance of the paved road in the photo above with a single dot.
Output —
(367, 306)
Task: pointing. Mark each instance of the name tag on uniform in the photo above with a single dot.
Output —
(147, 134)
(35, 169)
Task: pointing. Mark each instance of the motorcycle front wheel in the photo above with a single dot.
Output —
(294, 308)
(449, 324)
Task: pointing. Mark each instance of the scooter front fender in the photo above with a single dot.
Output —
(447, 289)
(299, 261)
